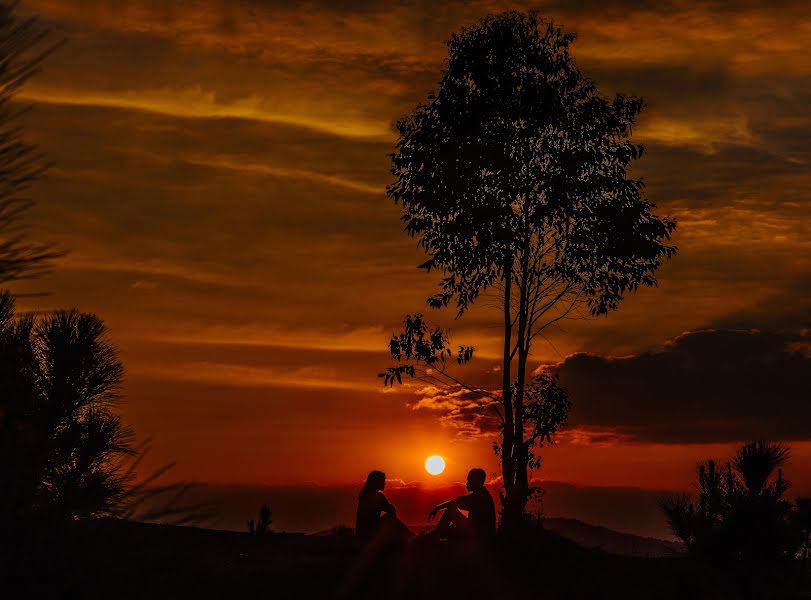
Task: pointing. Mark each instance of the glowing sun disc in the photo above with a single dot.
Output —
(435, 464)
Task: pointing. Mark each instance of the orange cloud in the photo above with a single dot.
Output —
(218, 181)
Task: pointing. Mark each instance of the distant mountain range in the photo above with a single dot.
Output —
(614, 542)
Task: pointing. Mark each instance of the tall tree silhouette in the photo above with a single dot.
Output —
(62, 448)
(23, 48)
(513, 176)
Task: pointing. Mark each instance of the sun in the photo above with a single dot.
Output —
(435, 464)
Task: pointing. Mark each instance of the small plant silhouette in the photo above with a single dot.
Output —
(262, 525)
(342, 530)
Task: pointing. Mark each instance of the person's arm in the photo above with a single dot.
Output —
(442, 506)
(464, 502)
(386, 506)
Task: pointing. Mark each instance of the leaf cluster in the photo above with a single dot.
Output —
(546, 411)
(418, 343)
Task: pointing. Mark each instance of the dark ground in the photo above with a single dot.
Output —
(126, 560)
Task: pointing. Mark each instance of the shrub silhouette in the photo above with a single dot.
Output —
(261, 526)
(62, 449)
(741, 518)
(802, 524)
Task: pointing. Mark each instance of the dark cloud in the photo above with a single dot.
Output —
(712, 385)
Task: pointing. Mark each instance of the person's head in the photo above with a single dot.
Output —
(476, 479)
(375, 481)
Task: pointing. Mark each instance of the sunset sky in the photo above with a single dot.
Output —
(219, 183)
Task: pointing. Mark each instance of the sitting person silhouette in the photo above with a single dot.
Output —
(480, 522)
(377, 517)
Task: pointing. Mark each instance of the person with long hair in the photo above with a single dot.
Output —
(377, 517)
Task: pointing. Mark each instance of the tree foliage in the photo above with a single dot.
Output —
(61, 445)
(513, 177)
(427, 347)
(519, 158)
(546, 411)
(24, 46)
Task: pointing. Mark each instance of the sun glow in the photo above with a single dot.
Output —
(435, 464)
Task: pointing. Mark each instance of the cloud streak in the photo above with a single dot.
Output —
(195, 103)
(219, 180)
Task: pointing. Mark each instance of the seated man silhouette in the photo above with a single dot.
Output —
(377, 518)
(480, 522)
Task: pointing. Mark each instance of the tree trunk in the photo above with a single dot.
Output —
(514, 501)
(507, 445)
(517, 493)
(512, 511)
